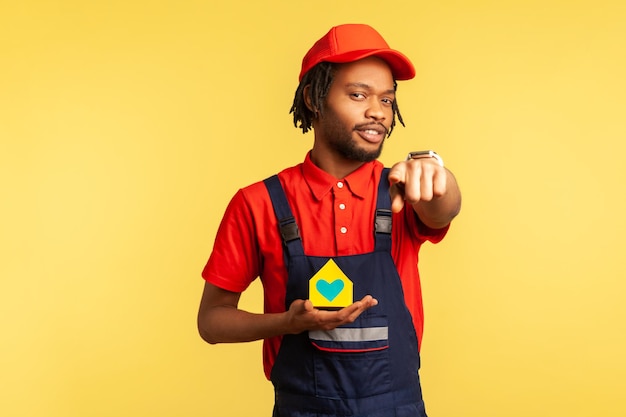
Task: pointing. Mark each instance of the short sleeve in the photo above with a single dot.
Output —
(234, 262)
(423, 232)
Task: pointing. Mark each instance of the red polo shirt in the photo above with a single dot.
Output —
(335, 218)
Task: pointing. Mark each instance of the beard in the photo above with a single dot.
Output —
(348, 148)
(340, 139)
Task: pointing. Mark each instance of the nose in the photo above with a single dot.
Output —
(375, 110)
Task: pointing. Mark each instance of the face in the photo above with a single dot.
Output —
(357, 112)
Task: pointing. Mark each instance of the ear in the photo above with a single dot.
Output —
(307, 98)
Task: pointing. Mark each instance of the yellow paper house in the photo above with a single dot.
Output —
(330, 287)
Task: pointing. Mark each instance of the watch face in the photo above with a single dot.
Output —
(425, 154)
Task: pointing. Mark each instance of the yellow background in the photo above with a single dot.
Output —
(126, 126)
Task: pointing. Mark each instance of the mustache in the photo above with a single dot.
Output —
(373, 126)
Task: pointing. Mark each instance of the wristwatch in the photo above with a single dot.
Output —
(425, 154)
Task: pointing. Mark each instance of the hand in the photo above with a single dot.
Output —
(416, 180)
(302, 316)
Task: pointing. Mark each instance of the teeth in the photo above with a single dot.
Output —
(371, 132)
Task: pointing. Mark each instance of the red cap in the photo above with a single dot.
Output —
(349, 43)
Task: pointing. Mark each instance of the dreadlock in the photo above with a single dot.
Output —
(320, 78)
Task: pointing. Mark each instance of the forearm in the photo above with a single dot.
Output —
(228, 324)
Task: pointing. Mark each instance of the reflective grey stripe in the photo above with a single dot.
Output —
(351, 335)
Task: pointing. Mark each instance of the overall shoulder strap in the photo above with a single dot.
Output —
(287, 226)
(382, 223)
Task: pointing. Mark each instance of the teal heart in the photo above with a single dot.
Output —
(330, 290)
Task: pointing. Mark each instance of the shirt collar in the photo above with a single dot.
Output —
(320, 182)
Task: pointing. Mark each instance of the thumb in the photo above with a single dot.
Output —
(297, 306)
(397, 197)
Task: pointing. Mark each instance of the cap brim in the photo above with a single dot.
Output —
(401, 66)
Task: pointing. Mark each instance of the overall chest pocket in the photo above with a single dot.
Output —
(352, 361)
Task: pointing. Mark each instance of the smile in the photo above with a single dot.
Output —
(372, 133)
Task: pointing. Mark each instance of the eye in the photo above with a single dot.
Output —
(357, 96)
(387, 101)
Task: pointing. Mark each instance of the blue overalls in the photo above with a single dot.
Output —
(368, 368)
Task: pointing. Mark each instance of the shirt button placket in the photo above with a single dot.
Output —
(342, 216)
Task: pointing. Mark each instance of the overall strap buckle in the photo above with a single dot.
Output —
(383, 221)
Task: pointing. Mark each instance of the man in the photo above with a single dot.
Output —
(335, 241)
